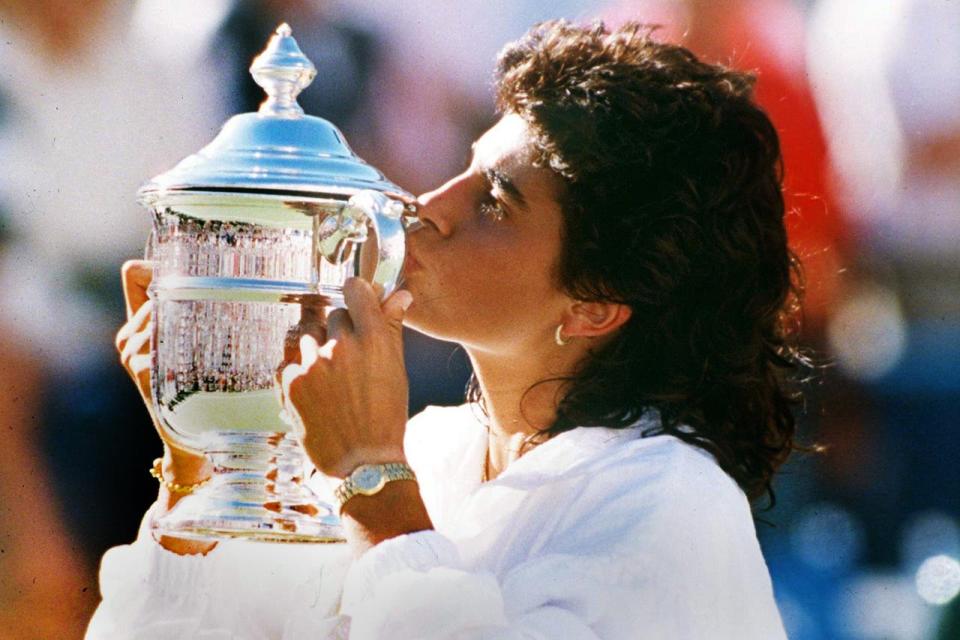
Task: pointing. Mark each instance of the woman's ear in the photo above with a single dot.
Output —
(592, 319)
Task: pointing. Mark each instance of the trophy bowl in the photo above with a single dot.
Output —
(277, 210)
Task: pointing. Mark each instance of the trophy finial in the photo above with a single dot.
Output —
(283, 72)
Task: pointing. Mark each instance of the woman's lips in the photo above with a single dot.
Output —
(410, 263)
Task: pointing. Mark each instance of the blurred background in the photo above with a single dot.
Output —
(98, 96)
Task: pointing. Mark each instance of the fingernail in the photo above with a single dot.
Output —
(406, 299)
(309, 351)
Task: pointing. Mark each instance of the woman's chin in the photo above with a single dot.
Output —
(420, 322)
(412, 319)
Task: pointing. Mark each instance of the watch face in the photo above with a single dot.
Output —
(368, 479)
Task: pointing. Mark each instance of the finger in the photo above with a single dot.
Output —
(309, 351)
(137, 323)
(290, 373)
(139, 343)
(140, 363)
(395, 308)
(283, 382)
(363, 303)
(291, 341)
(139, 368)
(136, 276)
(326, 349)
(339, 323)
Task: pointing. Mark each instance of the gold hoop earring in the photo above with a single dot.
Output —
(558, 336)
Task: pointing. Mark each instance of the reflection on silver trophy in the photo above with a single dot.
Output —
(276, 209)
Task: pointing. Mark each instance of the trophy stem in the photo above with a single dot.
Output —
(257, 492)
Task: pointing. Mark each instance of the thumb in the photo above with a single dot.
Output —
(395, 307)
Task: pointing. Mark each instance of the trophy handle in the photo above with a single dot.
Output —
(380, 254)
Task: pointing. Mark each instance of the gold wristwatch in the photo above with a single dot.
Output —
(369, 479)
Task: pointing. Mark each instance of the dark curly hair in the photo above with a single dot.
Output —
(672, 205)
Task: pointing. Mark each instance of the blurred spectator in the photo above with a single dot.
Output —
(888, 85)
(77, 143)
(44, 588)
(46, 591)
(435, 87)
(768, 37)
(887, 79)
(346, 56)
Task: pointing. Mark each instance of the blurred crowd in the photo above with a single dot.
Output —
(98, 96)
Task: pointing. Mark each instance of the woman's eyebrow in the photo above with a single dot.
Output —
(503, 182)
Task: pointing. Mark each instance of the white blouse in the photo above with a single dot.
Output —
(597, 533)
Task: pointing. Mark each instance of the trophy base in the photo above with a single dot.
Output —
(256, 492)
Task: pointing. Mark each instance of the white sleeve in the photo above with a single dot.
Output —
(687, 568)
(414, 587)
(239, 589)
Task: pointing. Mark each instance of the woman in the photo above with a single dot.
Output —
(615, 264)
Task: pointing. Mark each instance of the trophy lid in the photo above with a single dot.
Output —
(277, 150)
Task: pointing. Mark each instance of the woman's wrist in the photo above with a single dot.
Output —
(183, 467)
(395, 510)
(181, 472)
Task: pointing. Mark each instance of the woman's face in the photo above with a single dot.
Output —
(481, 269)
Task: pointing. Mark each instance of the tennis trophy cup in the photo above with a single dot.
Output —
(276, 210)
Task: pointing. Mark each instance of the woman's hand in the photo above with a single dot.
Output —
(133, 343)
(133, 339)
(348, 393)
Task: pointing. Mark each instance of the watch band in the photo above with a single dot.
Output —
(369, 479)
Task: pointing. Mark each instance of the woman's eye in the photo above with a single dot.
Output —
(493, 209)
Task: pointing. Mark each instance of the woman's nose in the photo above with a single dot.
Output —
(439, 208)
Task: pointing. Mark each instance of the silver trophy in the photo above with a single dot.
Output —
(275, 210)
